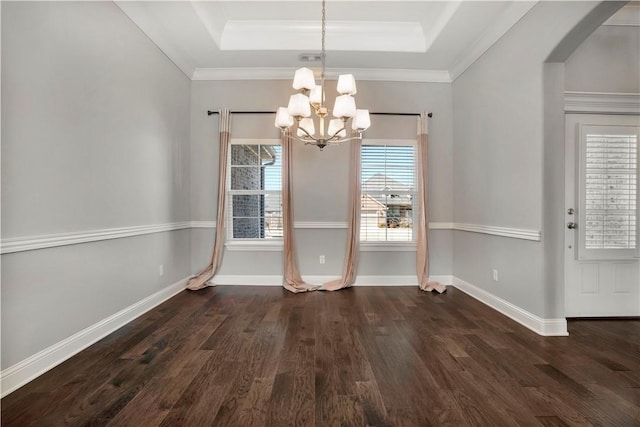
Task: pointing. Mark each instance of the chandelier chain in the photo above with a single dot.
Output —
(312, 95)
(322, 55)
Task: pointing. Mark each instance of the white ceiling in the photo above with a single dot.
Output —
(375, 39)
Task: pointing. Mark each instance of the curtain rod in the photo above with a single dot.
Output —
(209, 113)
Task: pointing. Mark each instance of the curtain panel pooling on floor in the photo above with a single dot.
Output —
(292, 280)
(422, 229)
(350, 267)
(201, 280)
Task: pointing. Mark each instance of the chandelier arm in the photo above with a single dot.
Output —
(336, 135)
(306, 133)
(306, 141)
(337, 141)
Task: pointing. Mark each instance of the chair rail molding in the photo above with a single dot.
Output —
(516, 233)
(29, 243)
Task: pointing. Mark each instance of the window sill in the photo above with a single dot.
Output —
(388, 246)
(254, 245)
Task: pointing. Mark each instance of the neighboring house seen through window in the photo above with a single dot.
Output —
(388, 191)
(254, 200)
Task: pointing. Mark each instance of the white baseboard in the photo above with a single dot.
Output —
(22, 372)
(276, 280)
(253, 280)
(544, 327)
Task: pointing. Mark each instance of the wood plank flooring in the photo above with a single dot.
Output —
(365, 356)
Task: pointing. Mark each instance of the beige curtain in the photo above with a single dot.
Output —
(422, 203)
(350, 267)
(292, 280)
(200, 280)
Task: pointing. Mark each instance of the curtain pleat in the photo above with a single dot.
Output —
(201, 279)
(422, 229)
(292, 279)
(350, 267)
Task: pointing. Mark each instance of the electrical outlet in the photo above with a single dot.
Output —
(321, 259)
(161, 269)
(495, 275)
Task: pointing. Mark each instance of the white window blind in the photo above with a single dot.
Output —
(611, 179)
(388, 191)
(254, 192)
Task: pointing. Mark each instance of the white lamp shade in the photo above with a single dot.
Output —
(306, 124)
(315, 97)
(347, 84)
(283, 119)
(304, 79)
(299, 105)
(345, 106)
(361, 121)
(336, 125)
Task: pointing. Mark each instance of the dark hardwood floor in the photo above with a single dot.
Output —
(254, 356)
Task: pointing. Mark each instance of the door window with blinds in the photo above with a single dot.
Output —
(608, 227)
(254, 188)
(388, 183)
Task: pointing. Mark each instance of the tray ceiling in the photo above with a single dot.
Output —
(377, 40)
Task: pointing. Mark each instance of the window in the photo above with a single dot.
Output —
(388, 191)
(254, 190)
(610, 182)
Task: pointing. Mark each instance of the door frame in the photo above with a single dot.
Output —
(584, 103)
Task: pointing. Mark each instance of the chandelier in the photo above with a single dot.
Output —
(311, 97)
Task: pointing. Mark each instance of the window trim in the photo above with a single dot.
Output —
(391, 245)
(243, 244)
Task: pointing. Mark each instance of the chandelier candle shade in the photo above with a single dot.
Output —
(311, 97)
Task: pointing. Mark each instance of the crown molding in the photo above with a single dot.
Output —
(149, 26)
(601, 103)
(276, 73)
(500, 27)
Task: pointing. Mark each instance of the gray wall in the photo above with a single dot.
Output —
(503, 167)
(607, 61)
(95, 135)
(320, 191)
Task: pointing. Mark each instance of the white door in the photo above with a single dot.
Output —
(602, 266)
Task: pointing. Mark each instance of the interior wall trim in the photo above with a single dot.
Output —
(544, 327)
(601, 103)
(516, 233)
(278, 73)
(320, 224)
(30, 368)
(24, 371)
(276, 280)
(203, 224)
(29, 243)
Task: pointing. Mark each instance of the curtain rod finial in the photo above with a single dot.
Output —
(430, 114)
(210, 113)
